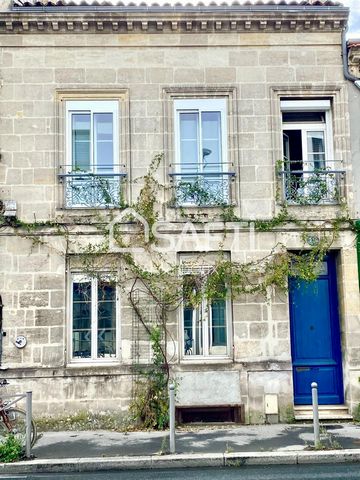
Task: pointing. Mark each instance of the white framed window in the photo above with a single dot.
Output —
(201, 170)
(92, 170)
(310, 170)
(205, 327)
(94, 321)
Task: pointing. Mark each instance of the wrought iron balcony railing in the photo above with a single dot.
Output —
(92, 190)
(312, 183)
(202, 189)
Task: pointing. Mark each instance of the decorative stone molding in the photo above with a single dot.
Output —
(225, 20)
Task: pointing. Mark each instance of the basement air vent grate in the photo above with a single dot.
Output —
(213, 414)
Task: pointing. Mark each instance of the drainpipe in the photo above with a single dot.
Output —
(347, 74)
(356, 82)
(357, 229)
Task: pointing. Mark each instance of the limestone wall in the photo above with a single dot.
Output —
(147, 70)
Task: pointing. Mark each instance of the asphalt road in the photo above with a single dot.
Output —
(282, 472)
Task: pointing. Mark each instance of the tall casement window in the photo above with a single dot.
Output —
(92, 172)
(311, 174)
(201, 173)
(205, 325)
(94, 327)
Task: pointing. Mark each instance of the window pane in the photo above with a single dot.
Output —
(80, 141)
(106, 330)
(104, 148)
(211, 141)
(188, 331)
(193, 328)
(316, 149)
(82, 319)
(198, 340)
(189, 142)
(218, 323)
(303, 117)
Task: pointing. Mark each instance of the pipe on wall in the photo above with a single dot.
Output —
(347, 74)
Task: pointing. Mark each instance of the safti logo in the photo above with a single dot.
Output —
(129, 216)
(130, 232)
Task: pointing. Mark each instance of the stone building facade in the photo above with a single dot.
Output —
(89, 95)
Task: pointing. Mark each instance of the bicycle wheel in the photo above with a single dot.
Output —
(17, 419)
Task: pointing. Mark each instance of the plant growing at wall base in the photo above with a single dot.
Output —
(150, 404)
(11, 449)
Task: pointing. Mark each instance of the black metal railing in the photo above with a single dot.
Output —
(312, 183)
(203, 189)
(92, 189)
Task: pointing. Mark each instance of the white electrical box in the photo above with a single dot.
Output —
(271, 404)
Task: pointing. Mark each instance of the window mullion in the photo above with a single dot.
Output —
(209, 326)
(92, 140)
(200, 142)
(205, 327)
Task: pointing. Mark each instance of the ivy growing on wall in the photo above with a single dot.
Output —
(165, 285)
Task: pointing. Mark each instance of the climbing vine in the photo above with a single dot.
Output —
(163, 282)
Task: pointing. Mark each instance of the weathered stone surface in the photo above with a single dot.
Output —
(49, 317)
(34, 299)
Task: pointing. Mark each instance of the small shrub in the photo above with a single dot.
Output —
(150, 405)
(356, 414)
(11, 449)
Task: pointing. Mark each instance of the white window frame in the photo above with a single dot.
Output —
(201, 105)
(305, 127)
(76, 277)
(206, 312)
(92, 107)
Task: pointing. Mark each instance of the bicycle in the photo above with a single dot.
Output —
(13, 420)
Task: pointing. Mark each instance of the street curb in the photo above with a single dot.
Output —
(192, 460)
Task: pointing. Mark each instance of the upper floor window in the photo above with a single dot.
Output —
(93, 318)
(201, 173)
(311, 174)
(92, 172)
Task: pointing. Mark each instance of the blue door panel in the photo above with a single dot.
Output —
(315, 337)
(311, 341)
(325, 377)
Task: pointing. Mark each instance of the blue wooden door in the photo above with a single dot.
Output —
(315, 337)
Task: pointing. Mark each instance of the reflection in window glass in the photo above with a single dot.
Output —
(82, 319)
(211, 141)
(94, 318)
(104, 157)
(106, 320)
(189, 148)
(204, 325)
(80, 141)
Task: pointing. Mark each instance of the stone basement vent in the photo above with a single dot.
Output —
(210, 414)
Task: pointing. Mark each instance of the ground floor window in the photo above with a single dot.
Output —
(205, 325)
(94, 317)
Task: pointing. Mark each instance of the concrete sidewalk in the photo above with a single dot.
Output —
(203, 447)
(254, 438)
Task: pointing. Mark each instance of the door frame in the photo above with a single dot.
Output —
(335, 319)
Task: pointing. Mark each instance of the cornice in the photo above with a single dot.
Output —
(183, 22)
